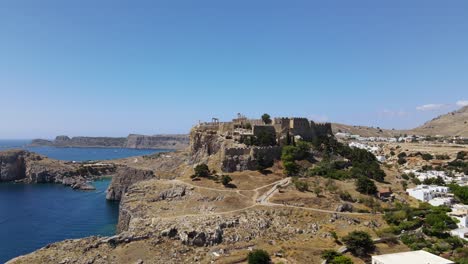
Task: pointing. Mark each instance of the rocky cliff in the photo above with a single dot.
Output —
(132, 141)
(123, 179)
(203, 144)
(12, 166)
(220, 152)
(28, 167)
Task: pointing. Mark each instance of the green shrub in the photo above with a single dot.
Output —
(330, 254)
(427, 156)
(258, 256)
(442, 157)
(301, 186)
(341, 260)
(346, 196)
(226, 180)
(460, 192)
(202, 170)
(461, 155)
(401, 161)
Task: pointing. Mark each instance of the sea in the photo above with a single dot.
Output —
(34, 215)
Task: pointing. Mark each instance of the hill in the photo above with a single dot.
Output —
(452, 124)
(365, 131)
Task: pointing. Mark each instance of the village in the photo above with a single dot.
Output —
(428, 170)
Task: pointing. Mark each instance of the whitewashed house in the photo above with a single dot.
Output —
(412, 257)
(426, 193)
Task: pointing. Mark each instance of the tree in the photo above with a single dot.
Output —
(365, 185)
(202, 170)
(226, 180)
(359, 243)
(290, 168)
(258, 256)
(266, 119)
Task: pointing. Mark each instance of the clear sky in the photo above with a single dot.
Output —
(109, 68)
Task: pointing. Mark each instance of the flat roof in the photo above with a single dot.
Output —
(412, 257)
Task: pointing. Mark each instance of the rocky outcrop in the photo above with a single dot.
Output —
(123, 179)
(203, 144)
(346, 207)
(12, 165)
(132, 141)
(28, 167)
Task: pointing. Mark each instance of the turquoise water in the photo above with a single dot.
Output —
(32, 216)
(77, 154)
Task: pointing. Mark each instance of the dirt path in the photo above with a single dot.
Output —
(257, 199)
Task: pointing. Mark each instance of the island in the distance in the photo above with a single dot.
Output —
(131, 141)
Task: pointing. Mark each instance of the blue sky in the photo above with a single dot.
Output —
(99, 68)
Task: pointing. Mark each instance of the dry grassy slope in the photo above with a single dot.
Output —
(365, 131)
(451, 124)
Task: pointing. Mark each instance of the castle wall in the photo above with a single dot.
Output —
(256, 122)
(301, 127)
(323, 129)
(237, 151)
(240, 159)
(269, 153)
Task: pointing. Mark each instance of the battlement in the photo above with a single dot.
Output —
(237, 151)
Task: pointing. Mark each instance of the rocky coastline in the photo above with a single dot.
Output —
(22, 166)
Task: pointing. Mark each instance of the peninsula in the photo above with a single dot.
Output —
(131, 141)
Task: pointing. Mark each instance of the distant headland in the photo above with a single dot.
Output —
(131, 141)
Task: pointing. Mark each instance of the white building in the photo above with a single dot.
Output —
(460, 212)
(441, 201)
(412, 257)
(426, 193)
(342, 135)
(381, 158)
(460, 232)
(373, 149)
